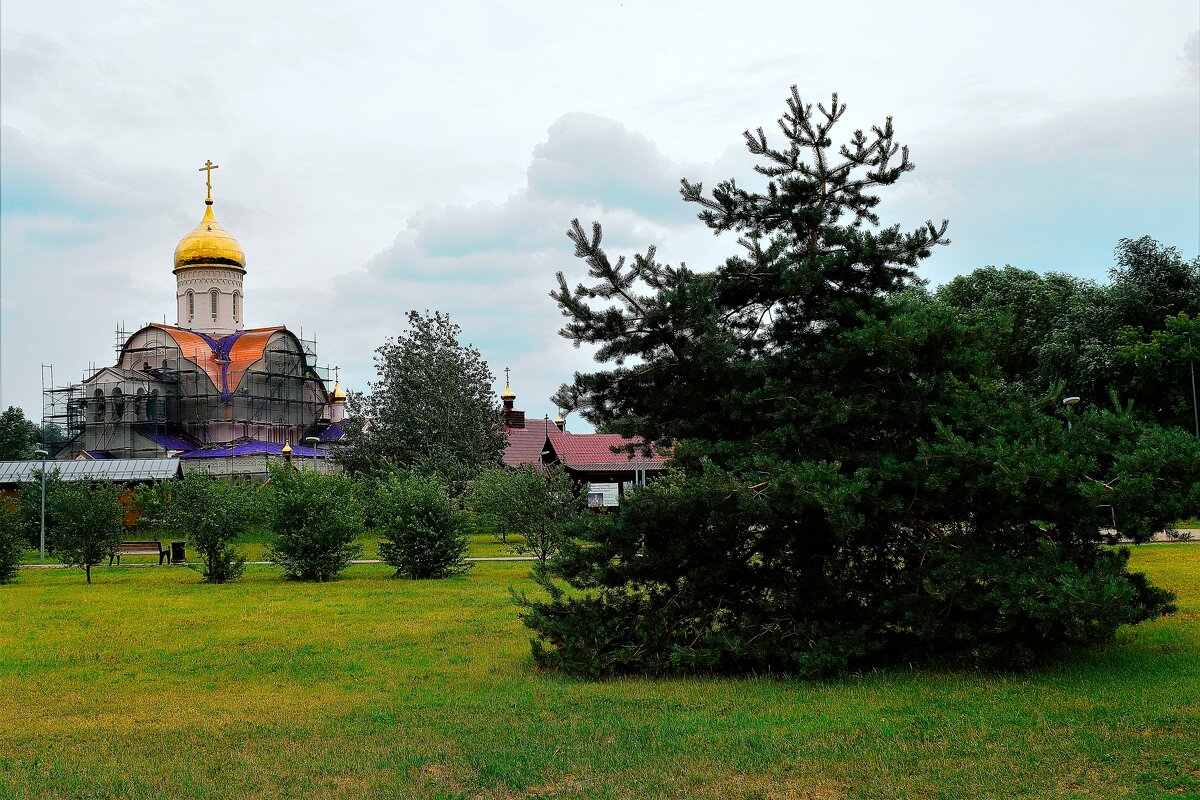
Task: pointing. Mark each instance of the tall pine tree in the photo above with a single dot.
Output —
(855, 485)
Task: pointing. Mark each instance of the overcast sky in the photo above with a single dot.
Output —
(380, 157)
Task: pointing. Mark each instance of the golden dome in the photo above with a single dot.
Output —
(508, 393)
(287, 449)
(560, 418)
(338, 395)
(209, 246)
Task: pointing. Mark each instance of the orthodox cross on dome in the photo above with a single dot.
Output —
(506, 380)
(208, 167)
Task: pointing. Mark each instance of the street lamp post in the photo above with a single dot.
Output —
(42, 549)
(1195, 406)
(1070, 402)
(312, 441)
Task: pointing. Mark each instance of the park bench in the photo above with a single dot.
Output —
(138, 549)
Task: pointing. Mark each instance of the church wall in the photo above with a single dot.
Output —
(170, 382)
(255, 467)
(113, 401)
(278, 398)
(198, 314)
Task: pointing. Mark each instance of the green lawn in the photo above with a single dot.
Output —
(150, 684)
(253, 546)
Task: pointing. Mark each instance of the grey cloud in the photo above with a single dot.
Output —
(1191, 58)
(596, 159)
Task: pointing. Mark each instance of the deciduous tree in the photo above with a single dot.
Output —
(432, 407)
(210, 514)
(11, 543)
(89, 523)
(18, 436)
(539, 507)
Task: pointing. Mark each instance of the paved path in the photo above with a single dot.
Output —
(1194, 534)
(270, 563)
(1191, 535)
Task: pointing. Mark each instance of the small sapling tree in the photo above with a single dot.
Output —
(211, 514)
(539, 506)
(89, 523)
(426, 535)
(487, 498)
(11, 542)
(315, 519)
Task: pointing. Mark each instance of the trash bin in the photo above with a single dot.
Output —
(177, 554)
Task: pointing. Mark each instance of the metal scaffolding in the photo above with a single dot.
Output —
(279, 397)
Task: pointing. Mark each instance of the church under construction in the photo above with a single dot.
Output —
(208, 389)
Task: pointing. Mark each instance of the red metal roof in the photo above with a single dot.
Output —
(525, 445)
(594, 451)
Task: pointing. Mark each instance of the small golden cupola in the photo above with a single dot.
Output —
(209, 245)
(337, 400)
(508, 395)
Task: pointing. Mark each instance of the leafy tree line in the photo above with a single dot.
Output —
(867, 473)
(20, 438)
(1133, 340)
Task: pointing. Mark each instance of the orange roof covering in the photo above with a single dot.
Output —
(197, 349)
(224, 360)
(247, 349)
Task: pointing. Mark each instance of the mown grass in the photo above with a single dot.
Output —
(151, 684)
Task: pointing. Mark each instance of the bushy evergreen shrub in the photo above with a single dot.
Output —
(425, 532)
(315, 520)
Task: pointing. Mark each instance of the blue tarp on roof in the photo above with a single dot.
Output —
(256, 448)
(333, 433)
(168, 441)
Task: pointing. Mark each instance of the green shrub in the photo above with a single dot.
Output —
(210, 514)
(314, 520)
(425, 532)
(12, 540)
